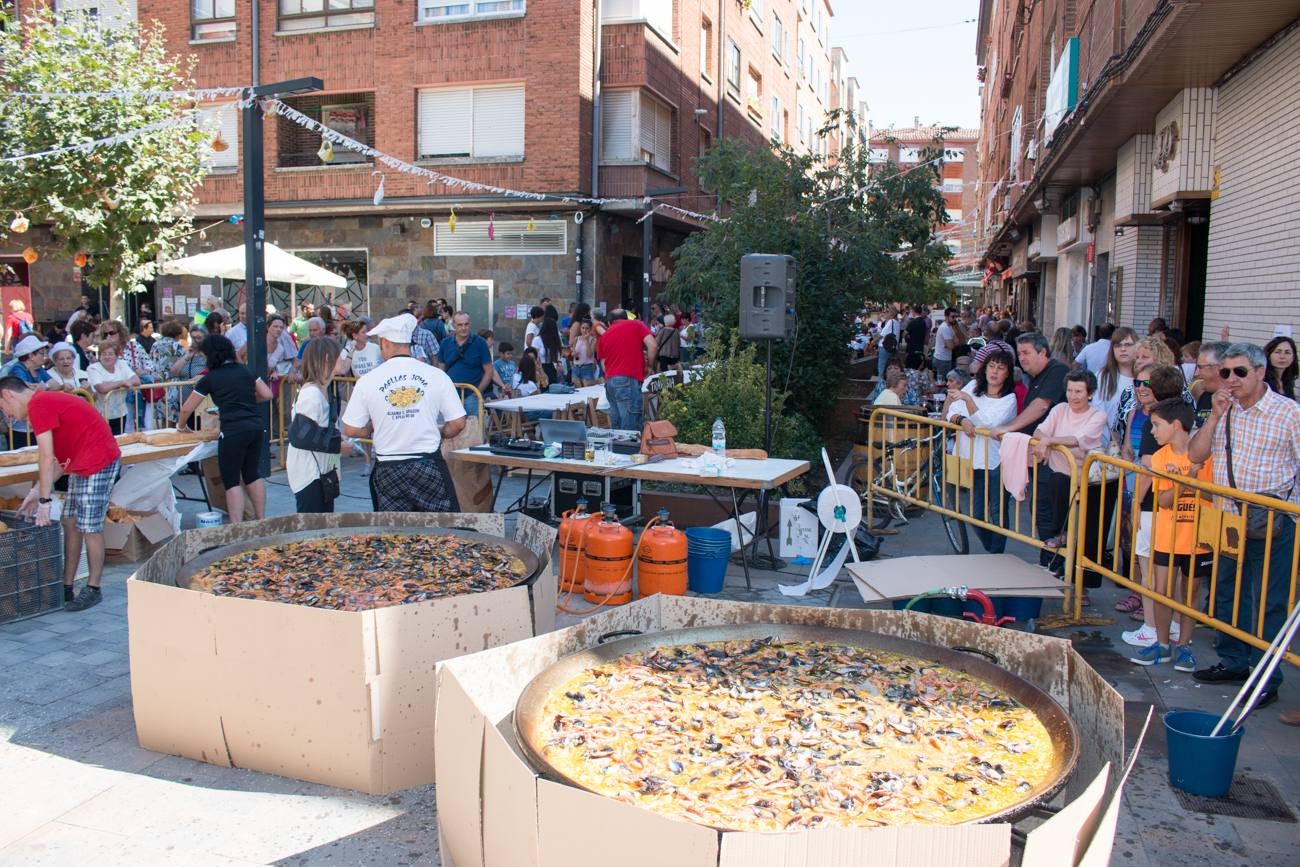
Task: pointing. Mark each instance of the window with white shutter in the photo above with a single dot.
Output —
(656, 133)
(471, 123)
(508, 238)
(636, 127)
(222, 123)
(618, 110)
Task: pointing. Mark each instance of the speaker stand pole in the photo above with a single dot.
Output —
(762, 528)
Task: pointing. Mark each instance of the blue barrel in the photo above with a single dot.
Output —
(708, 550)
(1198, 763)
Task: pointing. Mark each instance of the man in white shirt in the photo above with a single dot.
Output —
(945, 340)
(238, 333)
(398, 405)
(1094, 355)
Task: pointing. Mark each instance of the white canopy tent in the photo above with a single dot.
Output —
(281, 267)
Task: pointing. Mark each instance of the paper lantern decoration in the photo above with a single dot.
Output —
(19, 224)
(326, 152)
(379, 192)
(80, 260)
(219, 144)
(492, 229)
(30, 255)
(451, 221)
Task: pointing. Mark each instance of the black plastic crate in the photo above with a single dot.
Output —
(31, 568)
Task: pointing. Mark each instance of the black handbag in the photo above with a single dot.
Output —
(329, 486)
(307, 435)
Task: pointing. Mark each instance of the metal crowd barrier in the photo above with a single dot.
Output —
(1219, 531)
(134, 400)
(911, 459)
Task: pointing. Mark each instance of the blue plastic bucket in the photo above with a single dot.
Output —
(708, 551)
(1198, 763)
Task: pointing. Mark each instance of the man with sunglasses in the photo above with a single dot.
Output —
(1253, 435)
(1207, 375)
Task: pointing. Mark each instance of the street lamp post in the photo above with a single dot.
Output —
(255, 228)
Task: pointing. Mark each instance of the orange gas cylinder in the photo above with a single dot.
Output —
(607, 557)
(661, 559)
(572, 570)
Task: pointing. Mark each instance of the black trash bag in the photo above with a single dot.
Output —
(868, 545)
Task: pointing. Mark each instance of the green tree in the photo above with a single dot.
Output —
(122, 204)
(857, 231)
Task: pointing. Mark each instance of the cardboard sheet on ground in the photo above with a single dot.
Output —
(995, 574)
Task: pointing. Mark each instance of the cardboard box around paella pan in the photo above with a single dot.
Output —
(344, 698)
(495, 811)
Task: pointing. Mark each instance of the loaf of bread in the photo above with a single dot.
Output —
(739, 454)
(177, 438)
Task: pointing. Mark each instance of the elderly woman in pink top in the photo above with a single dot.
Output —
(1079, 427)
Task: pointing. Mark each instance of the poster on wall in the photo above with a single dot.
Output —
(205, 291)
(349, 120)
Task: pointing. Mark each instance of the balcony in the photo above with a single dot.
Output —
(635, 180)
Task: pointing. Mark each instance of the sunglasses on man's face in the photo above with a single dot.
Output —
(1239, 372)
(1142, 383)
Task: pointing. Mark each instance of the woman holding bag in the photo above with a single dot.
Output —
(312, 461)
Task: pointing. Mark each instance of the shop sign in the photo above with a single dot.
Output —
(1166, 145)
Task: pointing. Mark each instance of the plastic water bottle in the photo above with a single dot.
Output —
(719, 438)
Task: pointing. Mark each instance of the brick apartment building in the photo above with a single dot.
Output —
(502, 92)
(904, 148)
(1134, 162)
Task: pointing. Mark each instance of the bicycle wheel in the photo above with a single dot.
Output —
(882, 514)
(953, 528)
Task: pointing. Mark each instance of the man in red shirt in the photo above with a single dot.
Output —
(73, 438)
(627, 347)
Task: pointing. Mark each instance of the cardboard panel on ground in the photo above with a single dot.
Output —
(995, 574)
(494, 810)
(344, 698)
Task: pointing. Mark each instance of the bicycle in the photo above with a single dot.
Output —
(908, 482)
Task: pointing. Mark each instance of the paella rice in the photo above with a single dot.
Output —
(363, 571)
(766, 735)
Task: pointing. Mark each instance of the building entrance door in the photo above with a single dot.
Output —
(631, 281)
(475, 298)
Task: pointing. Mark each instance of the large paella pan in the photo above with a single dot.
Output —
(769, 727)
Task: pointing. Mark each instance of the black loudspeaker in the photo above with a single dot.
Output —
(766, 296)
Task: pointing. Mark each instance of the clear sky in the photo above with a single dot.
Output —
(912, 57)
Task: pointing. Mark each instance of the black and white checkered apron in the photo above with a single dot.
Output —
(418, 484)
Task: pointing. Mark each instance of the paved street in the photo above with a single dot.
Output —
(73, 778)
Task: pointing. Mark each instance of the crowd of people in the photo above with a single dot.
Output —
(1220, 411)
(404, 410)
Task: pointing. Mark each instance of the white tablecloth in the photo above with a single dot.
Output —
(551, 402)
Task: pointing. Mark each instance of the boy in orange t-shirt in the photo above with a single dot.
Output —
(1178, 560)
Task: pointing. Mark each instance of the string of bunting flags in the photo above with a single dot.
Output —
(333, 137)
(107, 141)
